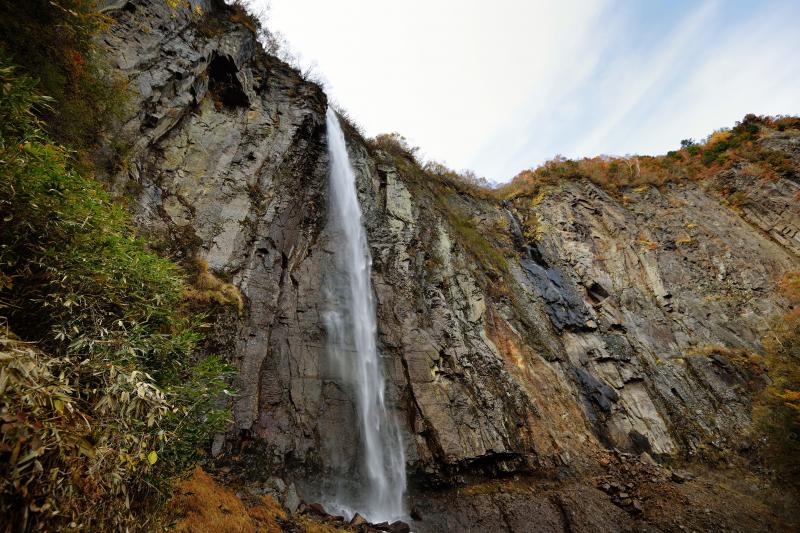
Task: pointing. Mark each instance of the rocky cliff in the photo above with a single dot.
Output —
(522, 337)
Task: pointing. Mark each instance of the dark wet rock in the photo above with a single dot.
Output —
(398, 526)
(317, 509)
(603, 395)
(313, 509)
(564, 307)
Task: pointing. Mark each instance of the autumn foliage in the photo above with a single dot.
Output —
(54, 42)
(778, 408)
(201, 505)
(722, 150)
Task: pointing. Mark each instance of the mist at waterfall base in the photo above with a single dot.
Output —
(350, 322)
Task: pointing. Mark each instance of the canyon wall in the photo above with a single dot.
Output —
(604, 322)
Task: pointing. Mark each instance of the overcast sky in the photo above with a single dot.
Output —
(501, 86)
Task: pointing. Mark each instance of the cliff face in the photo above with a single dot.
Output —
(606, 323)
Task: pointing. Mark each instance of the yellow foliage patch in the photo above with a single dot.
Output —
(790, 396)
(539, 198)
(718, 136)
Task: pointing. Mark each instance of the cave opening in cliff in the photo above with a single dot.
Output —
(223, 85)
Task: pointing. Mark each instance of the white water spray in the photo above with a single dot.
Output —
(352, 330)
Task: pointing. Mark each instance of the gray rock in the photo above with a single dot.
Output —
(275, 486)
(291, 500)
(681, 476)
(217, 444)
(593, 340)
(357, 520)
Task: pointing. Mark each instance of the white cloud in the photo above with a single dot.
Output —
(503, 86)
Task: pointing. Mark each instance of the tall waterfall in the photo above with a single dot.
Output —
(352, 329)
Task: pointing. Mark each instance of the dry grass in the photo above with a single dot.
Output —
(738, 200)
(201, 505)
(208, 290)
(751, 363)
(206, 507)
(266, 513)
(239, 13)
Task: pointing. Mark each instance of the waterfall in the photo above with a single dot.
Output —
(351, 327)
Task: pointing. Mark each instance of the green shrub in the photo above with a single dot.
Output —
(103, 397)
(476, 244)
(55, 43)
(738, 200)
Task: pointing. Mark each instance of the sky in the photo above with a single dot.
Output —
(497, 87)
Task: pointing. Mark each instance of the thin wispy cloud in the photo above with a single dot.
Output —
(633, 84)
(505, 86)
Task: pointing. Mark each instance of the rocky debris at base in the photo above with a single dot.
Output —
(397, 526)
(639, 498)
(357, 524)
(357, 520)
(627, 472)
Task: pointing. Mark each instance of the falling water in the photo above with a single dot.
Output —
(352, 329)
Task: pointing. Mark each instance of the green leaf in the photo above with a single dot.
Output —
(152, 457)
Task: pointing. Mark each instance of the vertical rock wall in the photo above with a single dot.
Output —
(606, 328)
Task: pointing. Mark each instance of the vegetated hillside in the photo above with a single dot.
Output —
(105, 393)
(544, 343)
